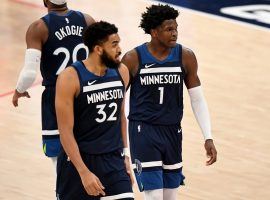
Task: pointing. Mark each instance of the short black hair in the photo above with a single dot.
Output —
(97, 33)
(155, 15)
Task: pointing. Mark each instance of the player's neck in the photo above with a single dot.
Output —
(95, 66)
(158, 50)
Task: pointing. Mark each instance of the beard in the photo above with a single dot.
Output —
(108, 61)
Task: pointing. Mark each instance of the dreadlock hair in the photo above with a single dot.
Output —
(98, 33)
(155, 15)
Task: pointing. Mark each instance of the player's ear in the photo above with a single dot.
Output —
(153, 33)
(98, 49)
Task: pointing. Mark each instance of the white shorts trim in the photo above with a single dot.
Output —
(175, 166)
(149, 164)
(50, 132)
(118, 196)
(159, 164)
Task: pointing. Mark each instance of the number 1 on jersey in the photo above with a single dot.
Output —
(161, 89)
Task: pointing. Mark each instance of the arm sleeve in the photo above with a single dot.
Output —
(200, 110)
(29, 71)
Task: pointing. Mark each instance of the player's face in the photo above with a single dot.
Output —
(111, 51)
(167, 33)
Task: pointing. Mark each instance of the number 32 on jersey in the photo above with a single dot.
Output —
(103, 115)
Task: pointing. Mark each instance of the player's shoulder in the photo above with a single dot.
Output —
(131, 60)
(189, 59)
(68, 81)
(123, 68)
(124, 72)
(37, 31)
(130, 55)
(37, 27)
(88, 19)
(187, 52)
(188, 56)
(68, 73)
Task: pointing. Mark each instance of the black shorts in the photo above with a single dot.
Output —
(109, 168)
(50, 133)
(156, 155)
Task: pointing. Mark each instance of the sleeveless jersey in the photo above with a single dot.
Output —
(156, 95)
(64, 44)
(97, 122)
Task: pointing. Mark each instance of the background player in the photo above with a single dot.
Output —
(53, 42)
(158, 70)
(92, 124)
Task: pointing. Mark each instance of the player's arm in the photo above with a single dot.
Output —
(36, 34)
(67, 87)
(130, 59)
(88, 19)
(125, 76)
(198, 102)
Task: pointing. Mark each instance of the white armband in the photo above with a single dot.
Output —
(126, 152)
(200, 111)
(29, 70)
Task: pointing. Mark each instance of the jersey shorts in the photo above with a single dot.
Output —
(109, 168)
(50, 133)
(156, 154)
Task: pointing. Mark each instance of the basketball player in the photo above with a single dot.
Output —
(53, 42)
(158, 70)
(92, 124)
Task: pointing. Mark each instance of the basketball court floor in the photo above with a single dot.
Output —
(234, 69)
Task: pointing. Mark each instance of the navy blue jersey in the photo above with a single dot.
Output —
(97, 122)
(64, 45)
(156, 94)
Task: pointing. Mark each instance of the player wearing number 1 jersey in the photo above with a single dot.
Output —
(159, 69)
(53, 42)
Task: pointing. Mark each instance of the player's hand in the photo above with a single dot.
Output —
(127, 163)
(18, 95)
(211, 151)
(92, 184)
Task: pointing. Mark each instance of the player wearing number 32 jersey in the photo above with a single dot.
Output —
(90, 114)
(53, 42)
